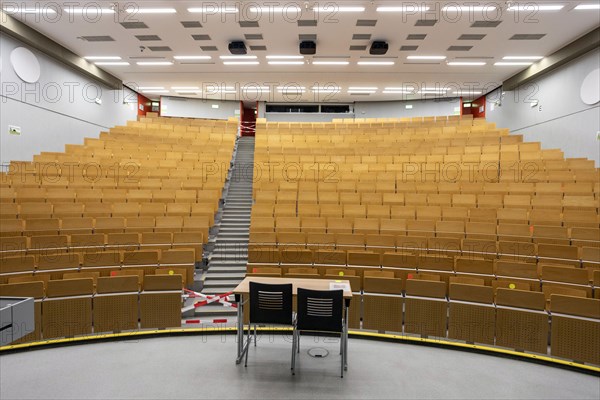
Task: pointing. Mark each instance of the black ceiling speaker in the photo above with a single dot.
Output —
(379, 48)
(308, 48)
(237, 48)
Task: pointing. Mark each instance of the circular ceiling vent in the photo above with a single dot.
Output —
(25, 64)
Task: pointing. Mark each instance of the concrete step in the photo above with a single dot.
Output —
(237, 253)
(228, 270)
(234, 236)
(231, 258)
(230, 246)
(240, 210)
(226, 263)
(227, 247)
(229, 231)
(218, 290)
(231, 240)
(240, 219)
(221, 275)
(222, 283)
(233, 219)
(235, 225)
(230, 252)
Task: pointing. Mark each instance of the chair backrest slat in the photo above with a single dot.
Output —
(270, 304)
(320, 310)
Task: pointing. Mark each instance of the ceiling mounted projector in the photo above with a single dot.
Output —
(237, 48)
(379, 48)
(308, 48)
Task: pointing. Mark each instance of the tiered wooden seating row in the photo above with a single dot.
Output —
(65, 226)
(72, 307)
(45, 266)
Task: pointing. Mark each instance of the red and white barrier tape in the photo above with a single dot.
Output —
(198, 321)
(220, 298)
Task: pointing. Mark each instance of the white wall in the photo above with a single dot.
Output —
(564, 120)
(376, 109)
(262, 108)
(59, 109)
(305, 117)
(397, 109)
(198, 108)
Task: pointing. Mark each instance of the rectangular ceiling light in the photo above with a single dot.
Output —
(285, 57)
(325, 88)
(361, 91)
(410, 9)
(536, 7)
(336, 8)
(30, 10)
(151, 87)
(522, 58)
(187, 91)
(292, 8)
(241, 62)
(155, 63)
(396, 92)
(375, 63)
(286, 62)
(431, 92)
(331, 62)
(426, 57)
(92, 11)
(214, 9)
(102, 58)
(361, 88)
(185, 88)
(155, 91)
(218, 88)
(466, 63)
(513, 63)
(467, 8)
(467, 92)
(100, 63)
(238, 57)
(135, 10)
(192, 57)
(588, 7)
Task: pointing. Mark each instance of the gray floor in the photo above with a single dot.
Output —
(203, 367)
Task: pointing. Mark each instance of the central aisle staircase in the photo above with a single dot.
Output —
(227, 263)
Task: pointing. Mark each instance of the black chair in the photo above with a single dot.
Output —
(269, 304)
(319, 311)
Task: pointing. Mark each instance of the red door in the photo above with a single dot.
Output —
(248, 121)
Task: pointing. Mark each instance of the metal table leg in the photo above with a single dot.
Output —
(241, 346)
(347, 303)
